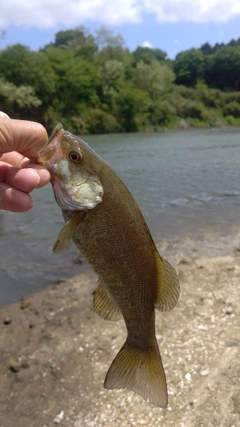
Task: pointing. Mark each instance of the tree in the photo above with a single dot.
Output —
(76, 83)
(156, 80)
(147, 54)
(206, 49)
(111, 47)
(78, 40)
(222, 69)
(217, 46)
(189, 67)
(111, 80)
(17, 100)
(106, 38)
(21, 66)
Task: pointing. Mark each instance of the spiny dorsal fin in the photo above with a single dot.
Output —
(139, 371)
(104, 306)
(63, 241)
(168, 285)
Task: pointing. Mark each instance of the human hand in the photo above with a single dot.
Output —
(20, 142)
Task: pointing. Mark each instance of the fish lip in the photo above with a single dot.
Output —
(52, 149)
(58, 128)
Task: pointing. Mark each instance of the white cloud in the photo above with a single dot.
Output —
(193, 10)
(49, 13)
(147, 44)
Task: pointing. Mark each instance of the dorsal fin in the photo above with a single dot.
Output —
(63, 241)
(104, 306)
(168, 285)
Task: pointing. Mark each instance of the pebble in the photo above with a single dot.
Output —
(59, 418)
(188, 376)
(24, 303)
(204, 372)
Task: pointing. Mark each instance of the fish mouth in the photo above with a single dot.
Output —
(51, 151)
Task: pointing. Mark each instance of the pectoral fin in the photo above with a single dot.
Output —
(63, 241)
(104, 306)
(168, 285)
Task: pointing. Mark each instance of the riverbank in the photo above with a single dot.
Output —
(54, 354)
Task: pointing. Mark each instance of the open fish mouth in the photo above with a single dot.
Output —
(76, 186)
(51, 151)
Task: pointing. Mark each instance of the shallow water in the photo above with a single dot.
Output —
(187, 184)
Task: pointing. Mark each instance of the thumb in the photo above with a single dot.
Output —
(20, 135)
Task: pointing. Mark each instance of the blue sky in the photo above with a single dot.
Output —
(171, 25)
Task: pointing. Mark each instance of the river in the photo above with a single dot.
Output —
(187, 184)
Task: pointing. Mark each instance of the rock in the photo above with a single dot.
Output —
(7, 320)
(24, 303)
(59, 418)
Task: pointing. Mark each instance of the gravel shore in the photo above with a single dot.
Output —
(55, 352)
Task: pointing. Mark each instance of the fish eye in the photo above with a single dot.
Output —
(75, 156)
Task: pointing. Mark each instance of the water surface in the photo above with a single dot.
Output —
(187, 184)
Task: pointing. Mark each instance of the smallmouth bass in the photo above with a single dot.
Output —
(105, 223)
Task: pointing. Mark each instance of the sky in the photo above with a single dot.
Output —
(170, 25)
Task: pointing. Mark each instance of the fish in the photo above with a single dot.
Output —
(105, 223)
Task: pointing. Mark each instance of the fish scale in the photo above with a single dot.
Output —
(107, 226)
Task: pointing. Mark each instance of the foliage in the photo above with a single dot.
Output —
(94, 84)
(78, 41)
(188, 67)
(222, 69)
(17, 98)
(232, 109)
(147, 55)
(21, 66)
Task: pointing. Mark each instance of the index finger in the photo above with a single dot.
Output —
(21, 135)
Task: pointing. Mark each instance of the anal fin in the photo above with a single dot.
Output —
(104, 306)
(168, 285)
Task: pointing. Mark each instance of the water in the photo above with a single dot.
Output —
(187, 185)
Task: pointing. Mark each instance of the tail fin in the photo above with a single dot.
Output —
(141, 372)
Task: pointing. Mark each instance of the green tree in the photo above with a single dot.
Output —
(206, 49)
(111, 76)
(156, 80)
(147, 54)
(76, 83)
(106, 38)
(21, 66)
(189, 67)
(78, 40)
(222, 69)
(111, 47)
(17, 100)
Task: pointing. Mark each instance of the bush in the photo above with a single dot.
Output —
(232, 109)
(98, 121)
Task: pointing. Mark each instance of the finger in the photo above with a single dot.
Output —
(14, 200)
(4, 115)
(23, 136)
(18, 160)
(15, 159)
(21, 179)
(43, 174)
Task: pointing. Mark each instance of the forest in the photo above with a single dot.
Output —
(94, 84)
